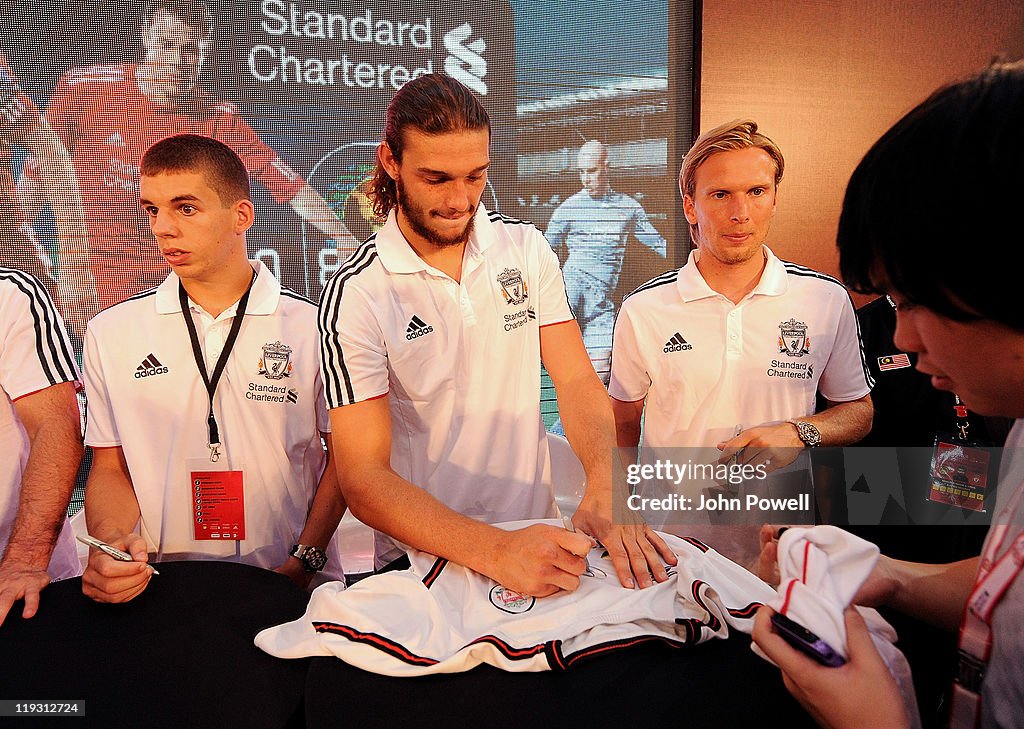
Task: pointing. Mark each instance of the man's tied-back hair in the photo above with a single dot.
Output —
(431, 104)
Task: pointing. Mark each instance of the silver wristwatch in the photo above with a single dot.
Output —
(313, 558)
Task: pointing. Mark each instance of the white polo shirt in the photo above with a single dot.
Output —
(460, 361)
(706, 365)
(34, 354)
(147, 396)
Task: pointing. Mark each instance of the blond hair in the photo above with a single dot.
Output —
(737, 134)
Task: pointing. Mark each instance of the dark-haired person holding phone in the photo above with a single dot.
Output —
(958, 309)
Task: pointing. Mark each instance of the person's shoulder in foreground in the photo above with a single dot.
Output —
(958, 312)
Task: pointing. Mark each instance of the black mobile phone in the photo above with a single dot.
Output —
(806, 642)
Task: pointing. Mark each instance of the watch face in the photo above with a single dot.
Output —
(314, 559)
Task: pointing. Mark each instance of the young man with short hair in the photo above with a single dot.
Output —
(433, 335)
(206, 388)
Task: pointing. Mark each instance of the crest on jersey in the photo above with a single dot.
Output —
(513, 288)
(510, 601)
(793, 339)
(276, 361)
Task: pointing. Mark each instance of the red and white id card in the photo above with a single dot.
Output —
(959, 475)
(218, 505)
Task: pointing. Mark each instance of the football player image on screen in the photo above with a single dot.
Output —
(589, 231)
(108, 115)
(20, 248)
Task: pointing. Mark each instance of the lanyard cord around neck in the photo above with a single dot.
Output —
(218, 370)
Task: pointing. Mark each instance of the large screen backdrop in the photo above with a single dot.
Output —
(588, 109)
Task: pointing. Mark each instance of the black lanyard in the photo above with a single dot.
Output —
(218, 370)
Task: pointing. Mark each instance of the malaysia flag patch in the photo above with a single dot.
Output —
(893, 362)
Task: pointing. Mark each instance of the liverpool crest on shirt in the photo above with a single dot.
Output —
(793, 339)
(276, 361)
(513, 288)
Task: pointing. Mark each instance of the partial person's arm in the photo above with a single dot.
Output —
(59, 188)
(322, 522)
(283, 182)
(628, 383)
(111, 514)
(628, 416)
(589, 424)
(557, 235)
(311, 207)
(51, 420)
(647, 234)
(539, 560)
(861, 694)
(841, 424)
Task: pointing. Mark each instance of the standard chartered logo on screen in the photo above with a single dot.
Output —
(465, 63)
(365, 48)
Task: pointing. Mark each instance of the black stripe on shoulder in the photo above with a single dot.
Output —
(696, 543)
(860, 345)
(337, 380)
(795, 269)
(669, 277)
(358, 257)
(498, 217)
(9, 274)
(294, 295)
(506, 649)
(52, 346)
(141, 295)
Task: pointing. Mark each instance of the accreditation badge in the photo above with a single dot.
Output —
(218, 501)
(960, 473)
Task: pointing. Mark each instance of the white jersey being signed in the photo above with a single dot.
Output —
(439, 617)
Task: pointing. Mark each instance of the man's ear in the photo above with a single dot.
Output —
(245, 215)
(387, 160)
(689, 210)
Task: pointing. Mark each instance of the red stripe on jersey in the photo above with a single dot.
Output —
(785, 603)
(376, 641)
(515, 654)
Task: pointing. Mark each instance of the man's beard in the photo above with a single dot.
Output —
(419, 218)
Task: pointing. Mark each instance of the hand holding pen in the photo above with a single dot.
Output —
(109, 576)
(107, 549)
(567, 523)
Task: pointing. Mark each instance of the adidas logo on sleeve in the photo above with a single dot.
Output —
(417, 328)
(677, 344)
(150, 366)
